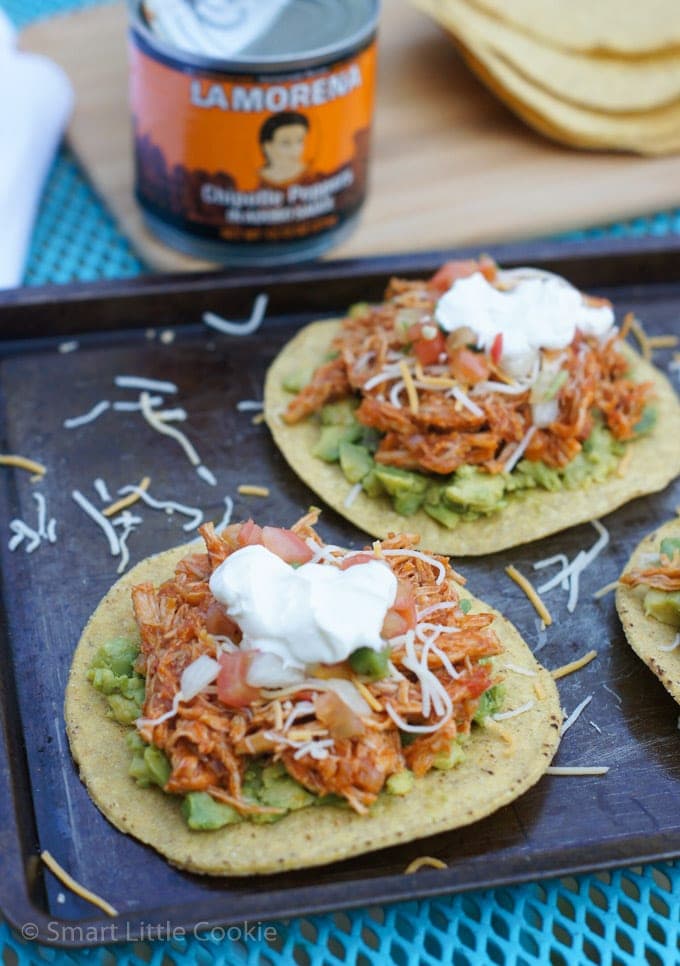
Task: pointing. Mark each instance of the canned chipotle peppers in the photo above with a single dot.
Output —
(259, 157)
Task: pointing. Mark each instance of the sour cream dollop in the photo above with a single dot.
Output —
(296, 617)
(538, 312)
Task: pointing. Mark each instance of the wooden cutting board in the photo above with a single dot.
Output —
(451, 165)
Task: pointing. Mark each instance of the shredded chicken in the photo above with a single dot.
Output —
(209, 745)
(443, 434)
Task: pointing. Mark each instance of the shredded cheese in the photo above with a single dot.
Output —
(102, 490)
(518, 453)
(168, 505)
(576, 665)
(662, 341)
(632, 324)
(607, 589)
(576, 770)
(127, 501)
(152, 419)
(207, 475)
(100, 520)
(504, 715)
(531, 593)
(352, 494)
(520, 670)
(258, 419)
(87, 417)
(239, 328)
(228, 510)
(148, 385)
(247, 489)
(369, 698)
(249, 405)
(62, 875)
(423, 861)
(411, 390)
(23, 463)
(538, 691)
(575, 714)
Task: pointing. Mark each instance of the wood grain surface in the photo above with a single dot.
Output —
(451, 165)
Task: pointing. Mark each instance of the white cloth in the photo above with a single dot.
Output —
(36, 100)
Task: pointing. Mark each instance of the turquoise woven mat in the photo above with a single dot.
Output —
(628, 916)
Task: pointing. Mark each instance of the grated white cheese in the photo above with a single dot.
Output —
(596, 727)
(177, 415)
(504, 715)
(102, 491)
(228, 510)
(152, 419)
(249, 406)
(148, 385)
(125, 406)
(395, 392)
(144, 722)
(520, 670)
(352, 494)
(65, 347)
(575, 714)
(560, 558)
(518, 453)
(42, 514)
(88, 417)
(207, 475)
(576, 770)
(439, 567)
(465, 400)
(128, 522)
(23, 532)
(239, 328)
(100, 520)
(167, 505)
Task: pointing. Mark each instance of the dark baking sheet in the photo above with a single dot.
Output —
(563, 825)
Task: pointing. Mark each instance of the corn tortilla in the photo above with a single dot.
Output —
(654, 463)
(646, 635)
(628, 28)
(598, 83)
(495, 771)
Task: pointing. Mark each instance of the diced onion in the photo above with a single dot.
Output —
(545, 413)
(198, 675)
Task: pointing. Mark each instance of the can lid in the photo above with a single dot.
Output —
(267, 35)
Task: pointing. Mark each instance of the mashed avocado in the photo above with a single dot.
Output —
(469, 492)
(664, 605)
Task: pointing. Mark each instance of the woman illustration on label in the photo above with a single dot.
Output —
(282, 140)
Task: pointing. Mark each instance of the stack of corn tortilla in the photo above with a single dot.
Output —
(588, 73)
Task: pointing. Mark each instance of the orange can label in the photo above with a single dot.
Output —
(251, 158)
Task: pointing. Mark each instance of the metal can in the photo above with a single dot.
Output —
(260, 158)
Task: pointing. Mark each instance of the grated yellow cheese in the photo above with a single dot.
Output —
(128, 500)
(436, 382)
(538, 691)
(607, 589)
(411, 390)
(74, 886)
(246, 489)
(422, 861)
(632, 324)
(561, 672)
(369, 698)
(531, 593)
(23, 463)
(662, 341)
(257, 419)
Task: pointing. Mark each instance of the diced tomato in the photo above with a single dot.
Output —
(232, 684)
(468, 366)
(250, 534)
(358, 558)
(427, 351)
(450, 272)
(497, 349)
(401, 616)
(217, 621)
(287, 545)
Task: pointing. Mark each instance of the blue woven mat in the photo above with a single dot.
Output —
(629, 916)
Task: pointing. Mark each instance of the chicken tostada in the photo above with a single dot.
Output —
(216, 697)
(648, 603)
(482, 408)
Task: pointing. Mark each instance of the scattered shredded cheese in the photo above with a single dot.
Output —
(258, 419)
(576, 770)
(88, 417)
(518, 453)
(66, 347)
(228, 510)
(531, 593)
(662, 341)
(102, 491)
(207, 475)
(248, 489)
(607, 589)
(23, 463)
(249, 405)
(504, 715)
(352, 494)
(439, 567)
(128, 500)
(576, 665)
(369, 698)
(62, 875)
(575, 714)
(147, 385)
(527, 672)
(169, 505)
(573, 570)
(239, 328)
(538, 691)
(126, 406)
(633, 324)
(422, 861)
(100, 520)
(152, 419)
(411, 390)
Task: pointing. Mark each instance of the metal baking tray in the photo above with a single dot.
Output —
(563, 825)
